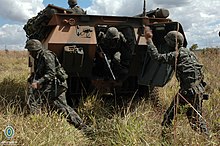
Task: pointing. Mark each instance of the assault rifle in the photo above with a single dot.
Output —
(106, 60)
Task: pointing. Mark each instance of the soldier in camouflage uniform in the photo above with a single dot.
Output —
(74, 8)
(118, 53)
(188, 73)
(48, 84)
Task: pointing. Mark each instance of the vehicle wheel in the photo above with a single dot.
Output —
(149, 93)
(153, 95)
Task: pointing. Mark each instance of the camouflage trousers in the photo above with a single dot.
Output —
(39, 100)
(194, 114)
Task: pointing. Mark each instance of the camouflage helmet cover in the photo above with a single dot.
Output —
(174, 36)
(33, 45)
(72, 2)
(112, 33)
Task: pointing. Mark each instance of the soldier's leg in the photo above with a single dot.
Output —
(169, 115)
(120, 71)
(197, 122)
(34, 102)
(73, 118)
(167, 124)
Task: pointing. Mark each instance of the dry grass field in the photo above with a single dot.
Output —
(141, 127)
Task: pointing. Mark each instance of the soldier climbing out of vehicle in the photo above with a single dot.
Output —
(113, 56)
(48, 84)
(75, 8)
(189, 74)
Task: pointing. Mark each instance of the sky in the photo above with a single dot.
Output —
(200, 18)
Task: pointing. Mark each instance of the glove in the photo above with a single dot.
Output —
(148, 33)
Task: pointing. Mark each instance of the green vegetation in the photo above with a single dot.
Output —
(112, 125)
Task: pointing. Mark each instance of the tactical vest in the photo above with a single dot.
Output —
(60, 72)
(77, 10)
(188, 68)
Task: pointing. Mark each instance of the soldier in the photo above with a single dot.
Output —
(114, 45)
(48, 84)
(188, 73)
(74, 8)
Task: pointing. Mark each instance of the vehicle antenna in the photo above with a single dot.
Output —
(144, 9)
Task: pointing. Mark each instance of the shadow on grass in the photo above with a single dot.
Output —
(12, 95)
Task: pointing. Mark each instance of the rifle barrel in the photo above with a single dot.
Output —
(106, 60)
(144, 9)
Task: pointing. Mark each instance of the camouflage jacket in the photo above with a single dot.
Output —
(121, 46)
(77, 10)
(45, 69)
(188, 69)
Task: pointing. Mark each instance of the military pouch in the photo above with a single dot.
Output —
(203, 83)
(205, 96)
(61, 74)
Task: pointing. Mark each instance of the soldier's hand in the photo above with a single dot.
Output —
(35, 85)
(148, 33)
(101, 55)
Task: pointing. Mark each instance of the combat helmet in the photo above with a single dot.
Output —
(112, 33)
(33, 45)
(72, 3)
(174, 37)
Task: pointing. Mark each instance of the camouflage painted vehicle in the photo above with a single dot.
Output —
(74, 39)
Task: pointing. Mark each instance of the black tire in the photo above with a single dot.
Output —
(149, 93)
(153, 95)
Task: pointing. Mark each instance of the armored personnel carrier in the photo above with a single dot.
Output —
(74, 40)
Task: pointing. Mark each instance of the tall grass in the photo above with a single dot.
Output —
(112, 125)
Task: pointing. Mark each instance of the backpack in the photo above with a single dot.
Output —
(36, 27)
(77, 10)
(60, 72)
